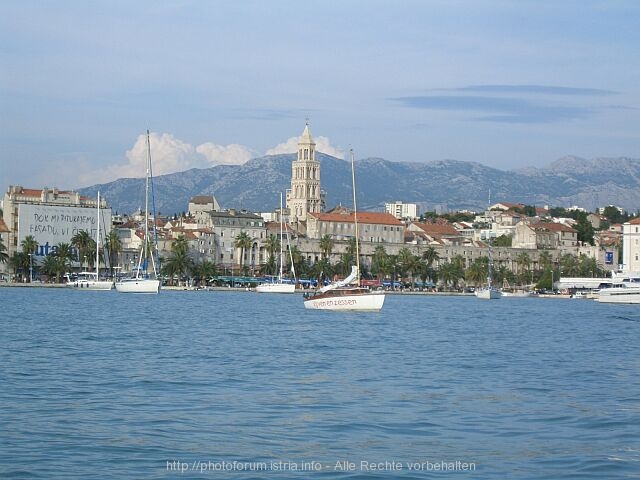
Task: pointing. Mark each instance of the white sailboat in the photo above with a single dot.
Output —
(91, 280)
(489, 292)
(347, 294)
(279, 286)
(143, 281)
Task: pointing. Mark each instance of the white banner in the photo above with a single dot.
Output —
(51, 225)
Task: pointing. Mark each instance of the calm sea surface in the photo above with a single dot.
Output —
(184, 384)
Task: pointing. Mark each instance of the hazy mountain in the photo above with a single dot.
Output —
(256, 185)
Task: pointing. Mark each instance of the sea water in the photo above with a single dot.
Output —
(245, 385)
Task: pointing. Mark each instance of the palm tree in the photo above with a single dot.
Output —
(243, 242)
(449, 273)
(569, 265)
(326, 245)
(19, 262)
(54, 266)
(524, 262)
(272, 245)
(204, 270)
(82, 241)
(379, 261)
(178, 264)
(477, 271)
(29, 247)
(4, 256)
(114, 247)
(298, 261)
(430, 255)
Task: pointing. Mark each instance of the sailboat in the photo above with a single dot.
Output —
(279, 286)
(489, 292)
(347, 294)
(143, 281)
(91, 280)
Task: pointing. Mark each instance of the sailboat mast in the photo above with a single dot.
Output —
(281, 239)
(146, 206)
(98, 243)
(355, 215)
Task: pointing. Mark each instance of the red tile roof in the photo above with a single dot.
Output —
(3, 226)
(363, 217)
(554, 227)
(437, 228)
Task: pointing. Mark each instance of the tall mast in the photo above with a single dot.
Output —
(355, 215)
(281, 239)
(98, 242)
(146, 206)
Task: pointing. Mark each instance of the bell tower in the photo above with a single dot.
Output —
(305, 195)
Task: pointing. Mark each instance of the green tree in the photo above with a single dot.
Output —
(82, 241)
(203, 271)
(114, 247)
(243, 242)
(272, 246)
(4, 256)
(379, 262)
(450, 273)
(179, 264)
(585, 229)
(478, 271)
(29, 247)
(503, 241)
(326, 245)
(19, 263)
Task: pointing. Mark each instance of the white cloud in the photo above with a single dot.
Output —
(169, 155)
(291, 146)
(233, 154)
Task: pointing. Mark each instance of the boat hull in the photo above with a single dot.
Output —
(488, 294)
(619, 295)
(144, 285)
(516, 294)
(276, 288)
(370, 301)
(99, 285)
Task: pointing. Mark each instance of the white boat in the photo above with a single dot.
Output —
(342, 295)
(625, 288)
(619, 294)
(91, 280)
(144, 281)
(278, 286)
(347, 294)
(517, 292)
(488, 293)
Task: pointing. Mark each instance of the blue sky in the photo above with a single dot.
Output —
(504, 83)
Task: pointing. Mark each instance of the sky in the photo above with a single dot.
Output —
(504, 83)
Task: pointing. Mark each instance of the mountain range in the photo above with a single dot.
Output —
(455, 185)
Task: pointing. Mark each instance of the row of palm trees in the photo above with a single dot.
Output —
(58, 262)
(405, 265)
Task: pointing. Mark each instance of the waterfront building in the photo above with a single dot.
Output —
(51, 216)
(434, 234)
(305, 195)
(201, 206)
(631, 246)
(374, 227)
(544, 235)
(402, 211)
(4, 231)
(226, 226)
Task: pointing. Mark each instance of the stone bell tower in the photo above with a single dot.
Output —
(305, 195)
